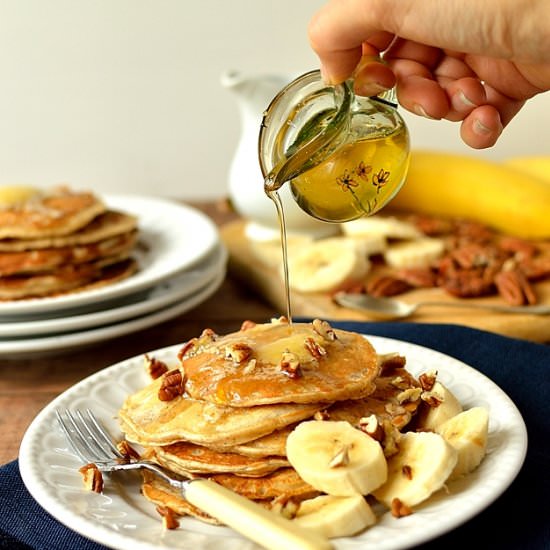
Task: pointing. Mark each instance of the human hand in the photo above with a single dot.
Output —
(472, 62)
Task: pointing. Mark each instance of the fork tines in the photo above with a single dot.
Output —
(86, 436)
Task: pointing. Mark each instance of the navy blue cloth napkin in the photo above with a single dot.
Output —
(520, 368)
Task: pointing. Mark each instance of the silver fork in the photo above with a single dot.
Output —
(93, 445)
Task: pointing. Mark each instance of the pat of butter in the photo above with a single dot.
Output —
(16, 194)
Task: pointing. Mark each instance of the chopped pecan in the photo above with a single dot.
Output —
(247, 325)
(372, 427)
(155, 367)
(514, 287)
(285, 506)
(322, 415)
(93, 478)
(520, 248)
(417, 277)
(172, 386)
(341, 458)
(399, 509)
(188, 348)
(315, 348)
(427, 380)
(432, 399)
(390, 362)
(324, 329)
(409, 395)
(536, 268)
(238, 352)
(169, 518)
(127, 451)
(290, 365)
(432, 226)
(386, 285)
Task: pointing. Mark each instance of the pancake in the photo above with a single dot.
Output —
(103, 226)
(186, 458)
(68, 278)
(161, 494)
(57, 212)
(279, 363)
(48, 259)
(273, 444)
(147, 420)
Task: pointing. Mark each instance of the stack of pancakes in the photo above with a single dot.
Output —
(60, 241)
(226, 409)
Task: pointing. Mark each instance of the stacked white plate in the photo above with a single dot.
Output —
(182, 262)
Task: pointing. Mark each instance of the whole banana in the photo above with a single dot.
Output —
(453, 185)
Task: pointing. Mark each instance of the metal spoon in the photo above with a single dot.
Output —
(390, 308)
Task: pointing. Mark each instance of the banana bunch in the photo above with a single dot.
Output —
(510, 200)
(534, 165)
(346, 464)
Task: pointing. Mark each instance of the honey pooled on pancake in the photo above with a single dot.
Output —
(279, 362)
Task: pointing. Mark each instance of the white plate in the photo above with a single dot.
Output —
(166, 293)
(120, 518)
(175, 237)
(65, 342)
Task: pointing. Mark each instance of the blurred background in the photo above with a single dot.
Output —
(126, 95)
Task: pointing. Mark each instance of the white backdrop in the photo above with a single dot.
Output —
(125, 95)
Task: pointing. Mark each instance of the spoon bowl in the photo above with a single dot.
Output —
(389, 308)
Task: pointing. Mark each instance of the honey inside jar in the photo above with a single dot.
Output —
(343, 156)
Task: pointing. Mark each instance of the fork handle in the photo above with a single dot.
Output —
(267, 528)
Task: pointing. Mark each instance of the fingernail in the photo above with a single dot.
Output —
(480, 128)
(419, 110)
(368, 89)
(459, 101)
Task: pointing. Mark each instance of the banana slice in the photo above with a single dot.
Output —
(336, 516)
(420, 468)
(388, 227)
(416, 253)
(444, 405)
(327, 264)
(467, 432)
(270, 253)
(15, 194)
(336, 458)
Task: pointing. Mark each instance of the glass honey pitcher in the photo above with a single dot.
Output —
(344, 156)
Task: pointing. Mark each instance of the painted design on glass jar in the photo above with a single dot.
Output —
(346, 181)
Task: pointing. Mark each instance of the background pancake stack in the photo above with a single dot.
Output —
(62, 241)
(77, 268)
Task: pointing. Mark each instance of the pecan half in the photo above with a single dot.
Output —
(238, 352)
(514, 287)
(324, 329)
(173, 385)
(386, 285)
(290, 365)
(315, 348)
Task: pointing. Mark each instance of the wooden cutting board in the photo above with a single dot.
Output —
(245, 265)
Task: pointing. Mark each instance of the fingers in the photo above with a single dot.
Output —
(337, 33)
